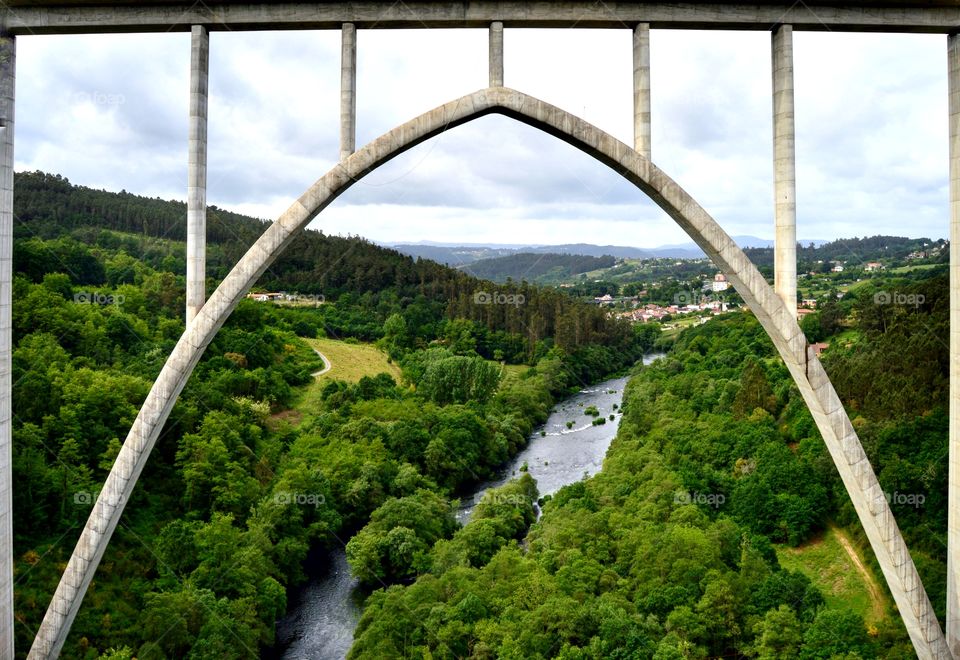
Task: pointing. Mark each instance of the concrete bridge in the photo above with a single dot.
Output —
(775, 307)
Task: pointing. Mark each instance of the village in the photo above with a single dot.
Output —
(707, 301)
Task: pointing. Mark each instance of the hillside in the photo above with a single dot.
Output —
(854, 251)
(541, 268)
(261, 462)
(468, 254)
(61, 227)
(459, 255)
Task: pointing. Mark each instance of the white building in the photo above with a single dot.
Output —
(720, 283)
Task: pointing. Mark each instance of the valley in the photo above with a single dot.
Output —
(464, 467)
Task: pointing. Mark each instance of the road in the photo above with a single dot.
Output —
(327, 364)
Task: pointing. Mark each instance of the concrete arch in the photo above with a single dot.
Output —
(818, 393)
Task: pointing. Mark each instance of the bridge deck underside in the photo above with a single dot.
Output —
(23, 17)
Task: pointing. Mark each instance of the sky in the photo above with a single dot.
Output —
(110, 111)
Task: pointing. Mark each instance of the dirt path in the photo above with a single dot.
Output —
(876, 597)
(327, 364)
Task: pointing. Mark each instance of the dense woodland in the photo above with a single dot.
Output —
(668, 552)
(235, 495)
(61, 226)
(853, 251)
(533, 267)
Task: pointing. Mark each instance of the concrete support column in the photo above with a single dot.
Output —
(348, 90)
(496, 54)
(953, 490)
(641, 89)
(197, 172)
(7, 84)
(784, 170)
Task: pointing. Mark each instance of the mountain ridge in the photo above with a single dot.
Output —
(460, 254)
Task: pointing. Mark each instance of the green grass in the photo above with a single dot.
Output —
(351, 362)
(907, 269)
(512, 372)
(825, 561)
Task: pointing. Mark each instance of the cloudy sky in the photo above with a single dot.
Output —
(111, 112)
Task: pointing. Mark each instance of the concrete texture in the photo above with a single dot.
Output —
(197, 172)
(641, 89)
(831, 419)
(348, 90)
(784, 170)
(496, 54)
(58, 17)
(8, 57)
(953, 491)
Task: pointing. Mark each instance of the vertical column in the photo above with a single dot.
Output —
(197, 172)
(496, 54)
(953, 489)
(641, 89)
(784, 170)
(7, 85)
(348, 91)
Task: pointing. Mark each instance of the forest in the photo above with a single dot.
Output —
(669, 551)
(534, 267)
(855, 250)
(235, 496)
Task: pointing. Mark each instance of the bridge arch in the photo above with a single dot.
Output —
(807, 372)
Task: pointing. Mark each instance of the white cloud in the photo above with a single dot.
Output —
(110, 111)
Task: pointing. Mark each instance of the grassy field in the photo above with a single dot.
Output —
(836, 568)
(907, 269)
(351, 362)
(512, 372)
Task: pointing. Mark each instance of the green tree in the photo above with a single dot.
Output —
(835, 633)
(394, 545)
(755, 391)
(778, 635)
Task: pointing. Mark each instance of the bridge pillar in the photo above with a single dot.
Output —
(953, 490)
(496, 54)
(197, 172)
(7, 84)
(641, 89)
(784, 170)
(348, 90)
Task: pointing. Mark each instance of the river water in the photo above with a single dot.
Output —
(324, 612)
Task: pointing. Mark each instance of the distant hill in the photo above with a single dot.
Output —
(453, 256)
(458, 255)
(853, 251)
(533, 267)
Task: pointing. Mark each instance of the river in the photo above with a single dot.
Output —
(324, 612)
